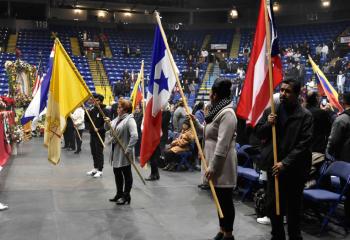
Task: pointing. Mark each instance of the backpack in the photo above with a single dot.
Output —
(260, 203)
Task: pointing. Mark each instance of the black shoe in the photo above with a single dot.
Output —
(152, 178)
(126, 199)
(116, 198)
(77, 151)
(219, 236)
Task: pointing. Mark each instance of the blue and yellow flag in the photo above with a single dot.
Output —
(67, 92)
(327, 87)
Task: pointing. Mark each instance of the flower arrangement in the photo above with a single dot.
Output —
(13, 69)
(17, 134)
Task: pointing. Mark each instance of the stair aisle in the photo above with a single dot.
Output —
(11, 46)
(75, 46)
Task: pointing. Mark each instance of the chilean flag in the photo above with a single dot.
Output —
(162, 82)
(39, 101)
(255, 94)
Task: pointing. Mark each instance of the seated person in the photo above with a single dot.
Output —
(179, 145)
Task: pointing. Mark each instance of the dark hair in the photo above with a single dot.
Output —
(99, 96)
(126, 105)
(198, 106)
(296, 85)
(311, 99)
(222, 88)
(346, 98)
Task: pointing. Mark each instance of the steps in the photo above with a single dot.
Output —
(235, 44)
(106, 91)
(213, 72)
(11, 46)
(75, 46)
(101, 81)
(108, 52)
(206, 41)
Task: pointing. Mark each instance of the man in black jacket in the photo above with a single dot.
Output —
(339, 143)
(294, 126)
(95, 143)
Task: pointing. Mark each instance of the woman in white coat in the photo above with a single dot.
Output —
(125, 127)
(219, 150)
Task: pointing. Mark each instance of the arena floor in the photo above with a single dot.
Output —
(60, 202)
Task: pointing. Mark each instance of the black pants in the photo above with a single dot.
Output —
(227, 207)
(78, 140)
(123, 180)
(291, 194)
(171, 157)
(97, 151)
(154, 162)
(69, 140)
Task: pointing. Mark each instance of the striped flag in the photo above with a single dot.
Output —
(255, 92)
(328, 89)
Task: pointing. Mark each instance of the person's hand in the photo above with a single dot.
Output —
(271, 119)
(107, 119)
(277, 169)
(209, 174)
(190, 117)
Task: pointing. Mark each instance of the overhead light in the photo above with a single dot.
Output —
(101, 14)
(234, 13)
(326, 3)
(77, 11)
(127, 14)
(276, 7)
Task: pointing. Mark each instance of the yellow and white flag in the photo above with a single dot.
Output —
(67, 92)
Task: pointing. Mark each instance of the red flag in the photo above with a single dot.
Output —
(255, 93)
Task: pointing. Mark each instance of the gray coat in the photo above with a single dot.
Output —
(127, 133)
(219, 147)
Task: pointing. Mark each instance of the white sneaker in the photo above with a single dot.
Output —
(98, 174)
(264, 220)
(3, 207)
(92, 172)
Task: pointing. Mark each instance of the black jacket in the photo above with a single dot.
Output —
(322, 129)
(294, 135)
(339, 139)
(166, 116)
(97, 118)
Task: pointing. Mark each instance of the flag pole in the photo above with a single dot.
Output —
(200, 151)
(119, 142)
(274, 142)
(143, 88)
(96, 130)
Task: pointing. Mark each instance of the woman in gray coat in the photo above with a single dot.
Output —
(219, 150)
(125, 127)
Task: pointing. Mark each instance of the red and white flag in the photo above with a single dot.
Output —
(162, 82)
(255, 93)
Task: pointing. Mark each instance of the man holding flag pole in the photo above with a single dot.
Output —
(288, 123)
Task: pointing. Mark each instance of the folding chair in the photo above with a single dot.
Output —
(333, 198)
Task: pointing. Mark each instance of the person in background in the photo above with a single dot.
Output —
(79, 124)
(219, 140)
(339, 143)
(125, 127)
(95, 143)
(179, 116)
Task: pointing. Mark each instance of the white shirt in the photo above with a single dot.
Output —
(78, 118)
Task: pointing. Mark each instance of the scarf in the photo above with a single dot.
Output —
(215, 109)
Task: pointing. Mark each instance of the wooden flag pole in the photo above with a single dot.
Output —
(200, 151)
(96, 130)
(119, 142)
(143, 87)
(274, 142)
